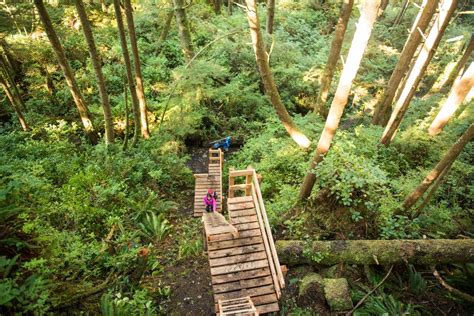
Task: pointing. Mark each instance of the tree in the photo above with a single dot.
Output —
(457, 95)
(128, 69)
(138, 72)
(418, 69)
(68, 73)
(334, 52)
(271, 90)
(9, 79)
(382, 109)
(384, 252)
(183, 29)
(401, 13)
(14, 102)
(354, 57)
(445, 162)
(461, 63)
(270, 15)
(96, 62)
(166, 28)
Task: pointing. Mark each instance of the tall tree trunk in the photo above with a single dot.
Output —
(333, 57)
(217, 6)
(461, 63)
(128, 68)
(14, 104)
(270, 15)
(68, 73)
(96, 62)
(384, 252)
(354, 57)
(448, 159)
(49, 84)
(271, 90)
(183, 29)
(229, 6)
(5, 65)
(13, 64)
(382, 110)
(457, 95)
(419, 69)
(432, 191)
(166, 27)
(138, 71)
(400, 14)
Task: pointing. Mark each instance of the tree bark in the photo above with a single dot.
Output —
(138, 71)
(457, 95)
(14, 104)
(419, 68)
(271, 90)
(457, 71)
(68, 73)
(229, 6)
(217, 6)
(128, 68)
(354, 57)
(382, 109)
(333, 57)
(448, 159)
(166, 28)
(384, 252)
(400, 14)
(96, 62)
(270, 15)
(183, 29)
(9, 79)
(13, 63)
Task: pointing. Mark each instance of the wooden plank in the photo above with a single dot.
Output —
(241, 206)
(242, 234)
(235, 243)
(235, 251)
(248, 212)
(243, 220)
(243, 275)
(242, 284)
(240, 173)
(246, 226)
(255, 291)
(264, 299)
(239, 267)
(240, 199)
(237, 259)
(268, 308)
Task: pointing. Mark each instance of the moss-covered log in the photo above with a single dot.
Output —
(435, 251)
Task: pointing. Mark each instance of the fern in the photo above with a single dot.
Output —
(155, 227)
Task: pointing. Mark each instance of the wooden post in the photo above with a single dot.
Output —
(231, 183)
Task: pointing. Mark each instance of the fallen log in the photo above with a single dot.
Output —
(383, 252)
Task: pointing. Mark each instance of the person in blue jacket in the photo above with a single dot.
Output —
(222, 143)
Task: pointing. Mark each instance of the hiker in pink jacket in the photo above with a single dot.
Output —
(210, 201)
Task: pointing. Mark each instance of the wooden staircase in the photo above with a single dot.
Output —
(242, 254)
(211, 180)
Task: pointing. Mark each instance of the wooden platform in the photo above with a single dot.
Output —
(243, 264)
(211, 180)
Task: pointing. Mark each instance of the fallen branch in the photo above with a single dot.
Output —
(451, 289)
(79, 296)
(372, 291)
(380, 252)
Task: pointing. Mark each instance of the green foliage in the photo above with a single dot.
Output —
(386, 305)
(416, 282)
(117, 304)
(155, 227)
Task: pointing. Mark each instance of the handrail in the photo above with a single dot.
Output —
(251, 187)
(268, 229)
(220, 159)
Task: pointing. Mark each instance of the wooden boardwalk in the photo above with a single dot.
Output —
(211, 180)
(242, 256)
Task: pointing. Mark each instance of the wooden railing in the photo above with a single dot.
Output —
(216, 156)
(251, 187)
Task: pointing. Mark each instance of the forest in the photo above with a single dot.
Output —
(357, 116)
